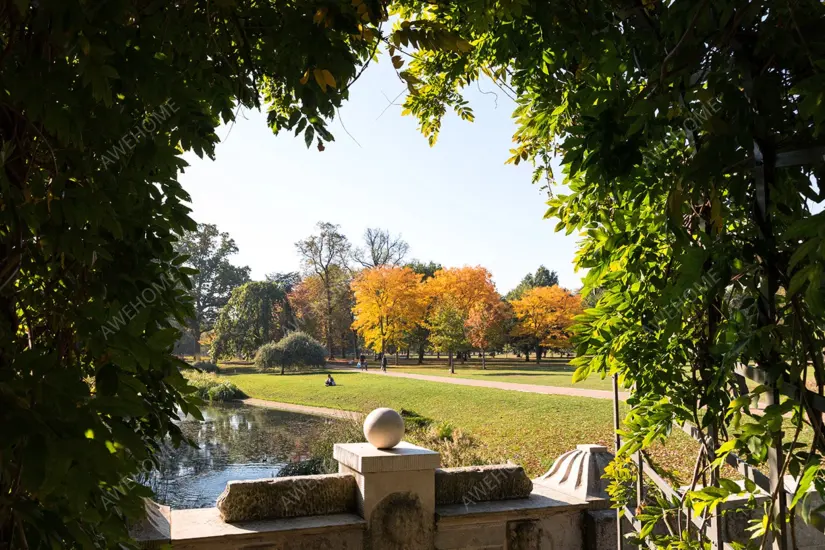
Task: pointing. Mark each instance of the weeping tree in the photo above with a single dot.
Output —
(256, 313)
(98, 102)
(690, 140)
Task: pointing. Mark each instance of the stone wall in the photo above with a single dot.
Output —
(287, 497)
(473, 484)
(376, 508)
(400, 499)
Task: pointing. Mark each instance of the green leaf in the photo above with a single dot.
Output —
(805, 482)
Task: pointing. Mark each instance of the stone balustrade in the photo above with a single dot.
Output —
(399, 498)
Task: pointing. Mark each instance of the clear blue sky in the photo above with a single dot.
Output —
(456, 203)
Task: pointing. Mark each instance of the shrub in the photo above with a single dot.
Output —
(210, 387)
(269, 356)
(456, 447)
(206, 366)
(302, 350)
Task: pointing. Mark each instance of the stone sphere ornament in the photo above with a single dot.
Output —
(384, 428)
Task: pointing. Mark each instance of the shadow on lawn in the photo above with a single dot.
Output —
(519, 374)
(523, 370)
(237, 369)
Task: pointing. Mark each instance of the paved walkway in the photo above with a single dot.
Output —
(528, 388)
(304, 409)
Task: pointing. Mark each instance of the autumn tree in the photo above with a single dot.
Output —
(308, 302)
(419, 336)
(381, 248)
(323, 255)
(544, 314)
(542, 277)
(486, 326)
(389, 303)
(454, 292)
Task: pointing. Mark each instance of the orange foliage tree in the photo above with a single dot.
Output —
(459, 289)
(389, 302)
(486, 326)
(545, 314)
(308, 303)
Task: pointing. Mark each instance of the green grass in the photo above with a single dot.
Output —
(541, 375)
(550, 372)
(530, 429)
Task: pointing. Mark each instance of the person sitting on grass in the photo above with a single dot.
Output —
(329, 381)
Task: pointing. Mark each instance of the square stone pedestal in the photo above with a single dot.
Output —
(379, 473)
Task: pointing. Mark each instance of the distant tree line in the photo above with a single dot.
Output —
(356, 299)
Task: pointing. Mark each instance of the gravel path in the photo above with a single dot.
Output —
(529, 388)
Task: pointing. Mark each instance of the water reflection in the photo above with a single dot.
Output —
(234, 442)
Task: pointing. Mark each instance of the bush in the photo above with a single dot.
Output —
(302, 350)
(297, 349)
(269, 356)
(206, 366)
(210, 387)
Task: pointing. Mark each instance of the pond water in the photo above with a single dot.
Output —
(235, 442)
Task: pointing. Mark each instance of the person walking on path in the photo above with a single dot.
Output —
(383, 362)
(363, 361)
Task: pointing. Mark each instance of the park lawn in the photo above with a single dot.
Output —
(529, 429)
(550, 372)
(540, 375)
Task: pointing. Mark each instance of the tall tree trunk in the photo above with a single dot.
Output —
(282, 369)
(538, 354)
(421, 353)
(408, 353)
(452, 365)
(396, 357)
(329, 320)
(483, 362)
(526, 356)
(195, 329)
(438, 355)
(355, 344)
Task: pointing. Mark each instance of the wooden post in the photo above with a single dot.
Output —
(765, 161)
(775, 465)
(715, 527)
(619, 534)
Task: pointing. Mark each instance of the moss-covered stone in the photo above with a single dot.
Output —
(473, 484)
(287, 497)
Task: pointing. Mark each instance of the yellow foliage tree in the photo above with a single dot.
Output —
(389, 302)
(545, 314)
(458, 290)
(463, 288)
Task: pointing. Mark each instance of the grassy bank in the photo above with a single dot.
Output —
(529, 429)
